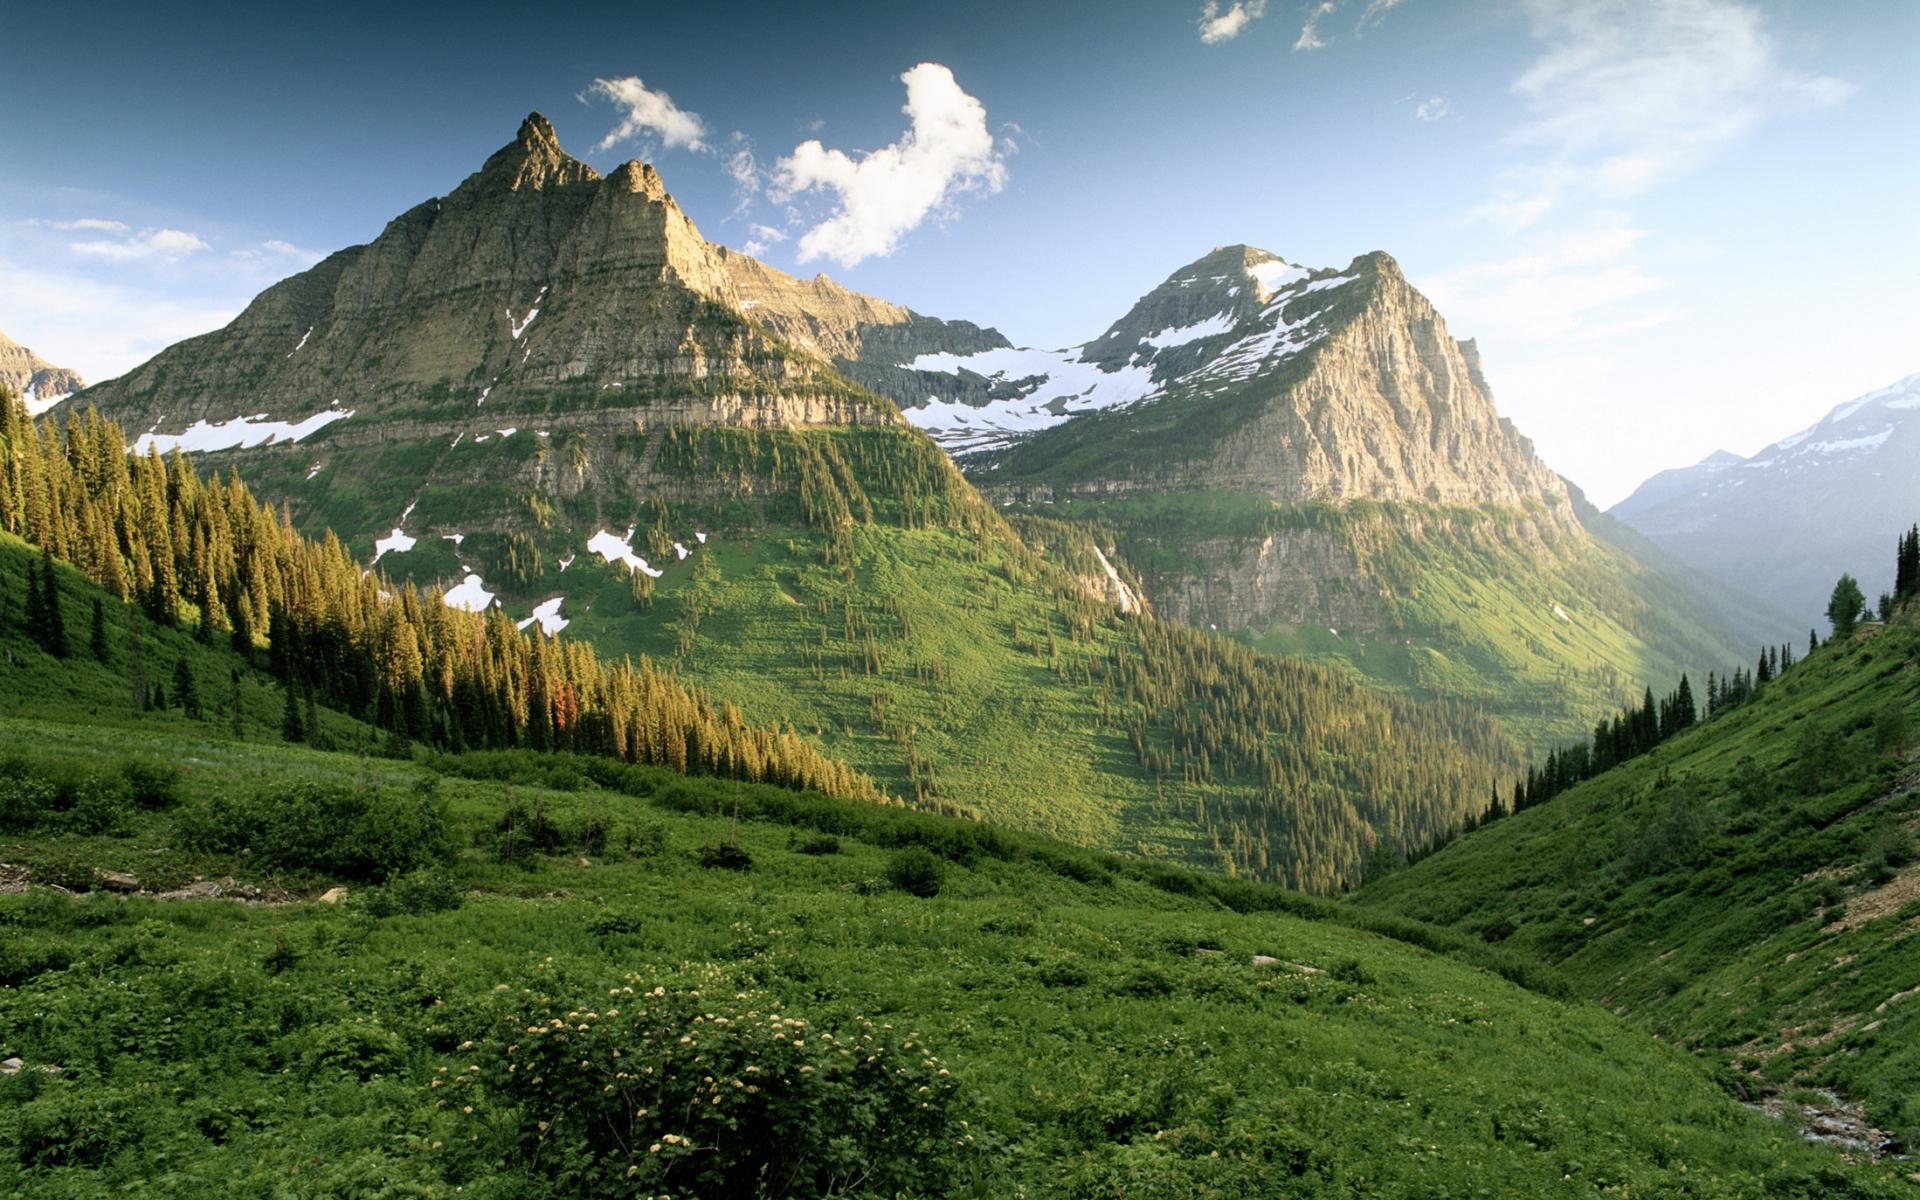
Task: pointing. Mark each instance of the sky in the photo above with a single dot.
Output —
(1673, 226)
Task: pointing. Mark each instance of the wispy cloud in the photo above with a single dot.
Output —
(646, 114)
(1217, 26)
(86, 225)
(1433, 108)
(1559, 287)
(99, 329)
(759, 237)
(881, 196)
(1310, 38)
(164, 245)
(1625, 96)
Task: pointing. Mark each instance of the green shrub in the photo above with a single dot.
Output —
(820, 844)
(329, 829)
(100, 805)
(150, 784)
(726, 857)
(25, 801)
(916, 871)
(415, 894)
(646, 839)
(696, 1089)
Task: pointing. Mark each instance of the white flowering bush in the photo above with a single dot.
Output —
(694, 1089)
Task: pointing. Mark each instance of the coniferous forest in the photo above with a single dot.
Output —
(204, 554)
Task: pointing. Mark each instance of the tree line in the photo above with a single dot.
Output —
(207, 556)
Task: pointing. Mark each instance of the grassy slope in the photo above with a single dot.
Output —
(208, 1047)
(1472, 605)
(1714, 895)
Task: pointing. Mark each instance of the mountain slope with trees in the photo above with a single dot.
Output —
(1750, 887)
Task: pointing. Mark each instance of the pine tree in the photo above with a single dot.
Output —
(185, 694)
(137, 662)
(1843, 608)
(98, 639)
(48, 625)
(1813, 640)
(290, 727)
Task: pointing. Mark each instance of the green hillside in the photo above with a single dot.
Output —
(849, 589)
(1063, 1024)
(1542, 629)
(1749, 889)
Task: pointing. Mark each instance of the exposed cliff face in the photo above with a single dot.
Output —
(36, 380)
(1295, 385)
(535, 288)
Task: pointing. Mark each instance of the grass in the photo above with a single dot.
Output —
(1724, 893)
(1106, 1030)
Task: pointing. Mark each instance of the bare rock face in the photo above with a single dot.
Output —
(33, 378)
(536, 287)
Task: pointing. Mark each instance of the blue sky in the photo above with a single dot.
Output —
(1673, 225)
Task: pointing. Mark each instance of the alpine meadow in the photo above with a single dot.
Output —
(515, 683)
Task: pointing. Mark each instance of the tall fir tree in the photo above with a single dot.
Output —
(1843, 607)
(97, 639)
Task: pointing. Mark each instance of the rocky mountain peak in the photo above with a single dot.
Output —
(41, 384)
(533, 160)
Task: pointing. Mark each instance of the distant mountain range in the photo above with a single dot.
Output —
(1784, 524)
(38, 381)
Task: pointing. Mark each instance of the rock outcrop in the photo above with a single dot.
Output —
(38, 381)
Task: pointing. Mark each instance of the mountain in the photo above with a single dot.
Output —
(1784, 524)
(546, 392)
(41, 384)
(1307, 458)
(1750, 888)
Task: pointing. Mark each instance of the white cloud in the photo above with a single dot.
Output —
(1625, 96)
(1217, 26)
(759, 237)
(883, 195)
(1377, 11)
(1577, 285)
(87, 224)
(647, 113)
(1433, 108)
(165, 245)
(275, 252)
(1310, 38)
(99, 329)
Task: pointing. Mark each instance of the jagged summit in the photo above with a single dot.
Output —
(535, 285)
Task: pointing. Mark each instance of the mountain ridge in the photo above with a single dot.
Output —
(1785, 523)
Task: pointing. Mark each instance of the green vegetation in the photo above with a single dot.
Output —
(1544, 630)
(1052, 1022)
(899, 641)
(1747, 889)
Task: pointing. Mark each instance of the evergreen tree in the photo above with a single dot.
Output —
(137, 662)
(290, 726)
(1843, 608)
(98, 639)
(185, 694)
(1813, 640)
(48, 624)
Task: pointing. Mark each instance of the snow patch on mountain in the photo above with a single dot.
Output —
(395, 542)
(547, 615)
(614, 548)
(204, 436)
(1213, 326)
(470, 595)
